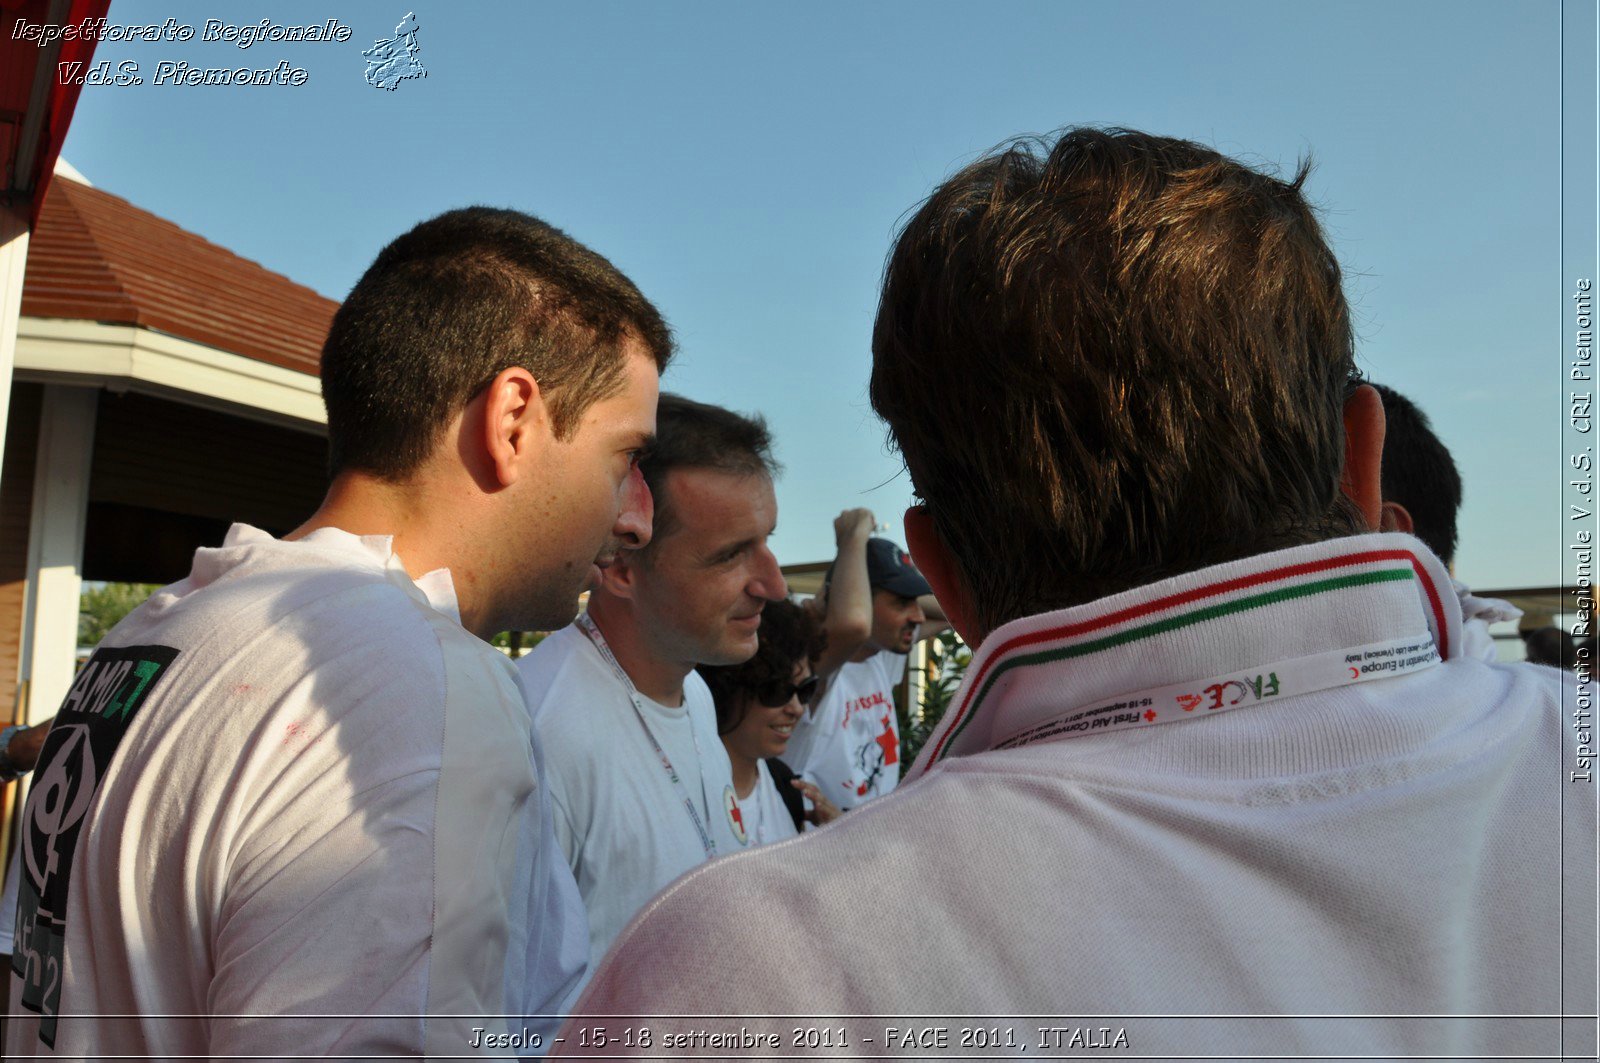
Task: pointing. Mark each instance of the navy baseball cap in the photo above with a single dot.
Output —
(890, 567)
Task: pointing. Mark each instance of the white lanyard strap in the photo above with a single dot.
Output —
(589, 628)
(1252, 686)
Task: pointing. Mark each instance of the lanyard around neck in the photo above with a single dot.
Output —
(587, 625)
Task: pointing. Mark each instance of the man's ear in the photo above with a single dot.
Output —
(935, 563)
(1362, 480)
(1396, 518)
(516, 424)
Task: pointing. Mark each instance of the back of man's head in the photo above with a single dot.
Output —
(450, 304)
(697, 435)
(1113, 359)
(1419, 474)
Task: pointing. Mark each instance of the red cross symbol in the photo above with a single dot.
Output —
(889, 743)
(1149, 715)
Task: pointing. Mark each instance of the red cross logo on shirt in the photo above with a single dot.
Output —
(889, 743)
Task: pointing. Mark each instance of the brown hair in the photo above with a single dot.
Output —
(1113, 359)
(450, 304)
(697, 435)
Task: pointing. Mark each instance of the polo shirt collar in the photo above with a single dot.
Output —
(1289, 605)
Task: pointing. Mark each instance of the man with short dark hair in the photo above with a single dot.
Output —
(1421, 497)
(290, 804)
(1421, 487)
(1218, 751)
(640, 784)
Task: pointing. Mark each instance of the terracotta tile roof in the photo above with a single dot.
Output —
(97, 257)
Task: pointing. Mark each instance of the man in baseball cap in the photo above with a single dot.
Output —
(876, 605)
(890, 568)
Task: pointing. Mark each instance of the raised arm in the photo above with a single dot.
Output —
(936, 623)
(847, 616)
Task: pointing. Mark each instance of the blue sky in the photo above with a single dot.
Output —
(747, 165)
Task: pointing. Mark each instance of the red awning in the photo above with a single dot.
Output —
(35, 106)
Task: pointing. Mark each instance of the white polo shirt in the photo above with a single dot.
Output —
(1294, 809)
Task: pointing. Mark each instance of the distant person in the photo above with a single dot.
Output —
(19, 748)
(1219, 751)
(290, 806)
(641, 788)
(876, 605)
(19, 751)
(1551, 647)
(758, 703)
(1422, 497)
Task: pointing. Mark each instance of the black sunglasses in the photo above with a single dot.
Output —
(777, 695)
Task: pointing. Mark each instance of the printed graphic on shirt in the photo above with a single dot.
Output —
(103, 700)
(730, 806)
(875, 756)
(873, 741)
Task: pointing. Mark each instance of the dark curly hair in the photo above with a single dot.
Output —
(788, 636)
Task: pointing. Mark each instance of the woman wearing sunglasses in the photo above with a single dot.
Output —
(758, 703)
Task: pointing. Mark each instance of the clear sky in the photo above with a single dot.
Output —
(748, 163)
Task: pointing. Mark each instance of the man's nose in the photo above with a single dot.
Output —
(637, 516)
(767, 581)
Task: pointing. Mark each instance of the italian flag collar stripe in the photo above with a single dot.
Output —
(1007, 656)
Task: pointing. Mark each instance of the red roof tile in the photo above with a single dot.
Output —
(97, 257)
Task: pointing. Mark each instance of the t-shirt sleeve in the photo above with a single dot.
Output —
(375, 874)
(550, 675)
(566, 834)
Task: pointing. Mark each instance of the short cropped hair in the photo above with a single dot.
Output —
(788, 636)
(697, 435)
(1419, 473)
(452, 303)
(1112, 359)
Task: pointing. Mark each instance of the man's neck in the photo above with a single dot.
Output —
(867, 651)
(656, 677)
(364, 505)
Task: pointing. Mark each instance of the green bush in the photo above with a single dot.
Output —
(102, 606)
(948, 658)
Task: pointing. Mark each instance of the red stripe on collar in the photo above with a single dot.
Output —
(1210, 590)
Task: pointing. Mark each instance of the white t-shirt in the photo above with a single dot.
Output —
(766, 817)
(849, 743)
(1375, 845)
(290, 784)
(621, 821)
